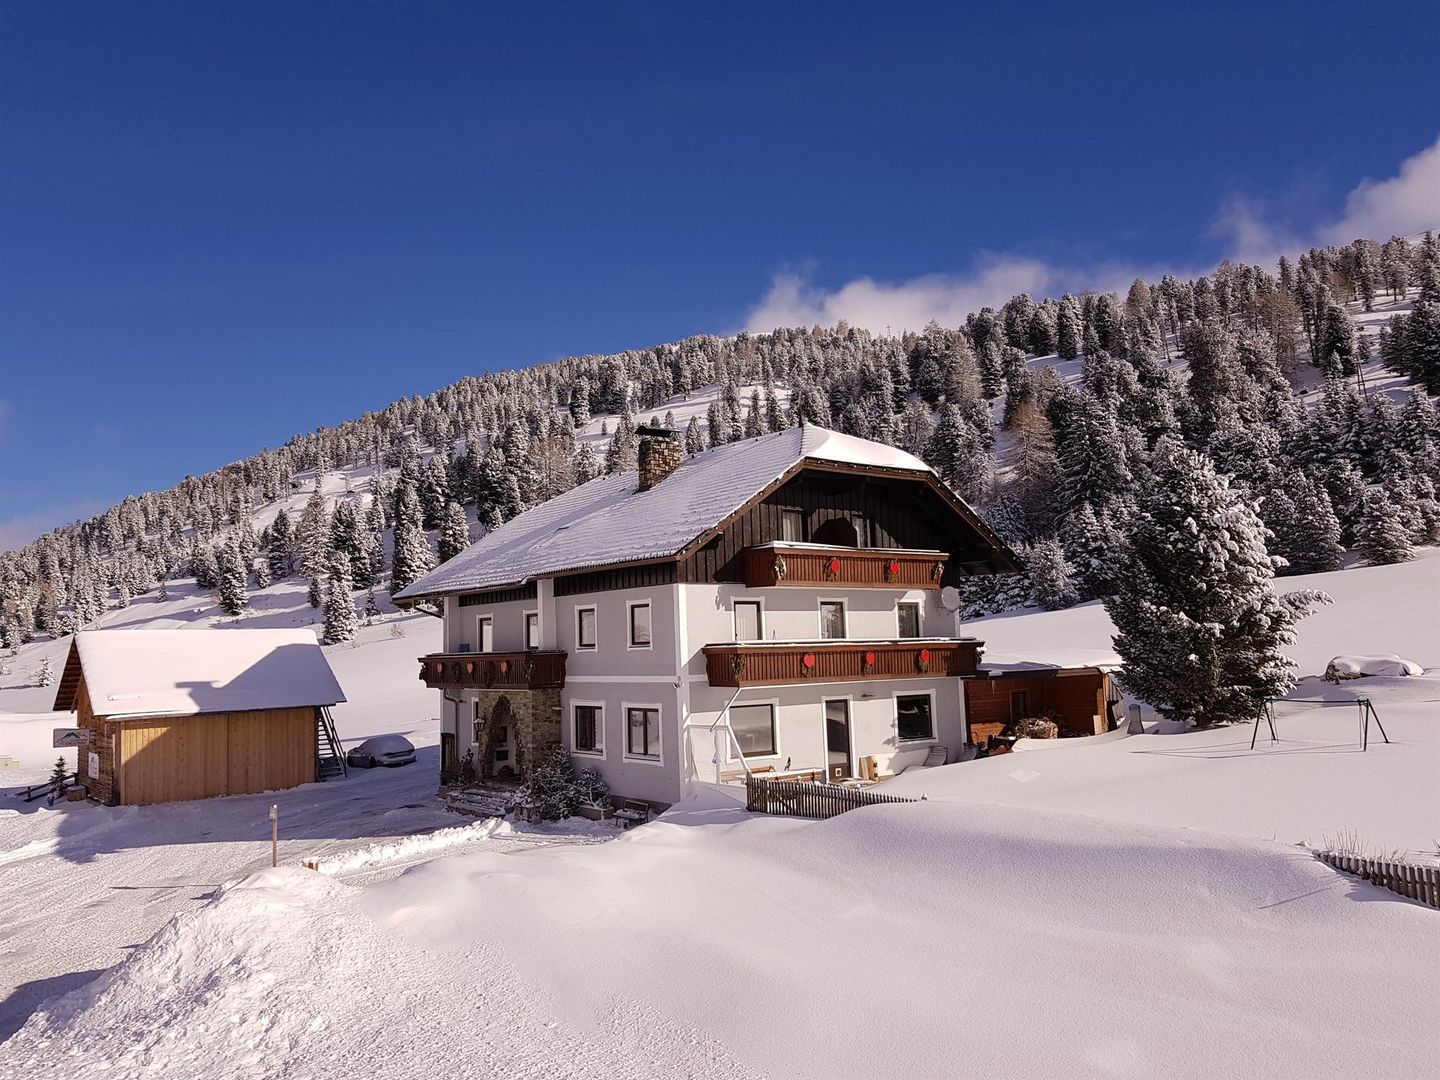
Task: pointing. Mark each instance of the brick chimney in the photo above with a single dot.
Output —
(659, 455)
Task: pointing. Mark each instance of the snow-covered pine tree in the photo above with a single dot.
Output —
(314, 594)
(454, 531)
(372, 606)
(1199, 628)
(280, 546)
(45, 676)
(1096, 551)
(1068, 328)
(234, 598)
(412, 557)
(1051, 576)
(341, 622)
(694, 437)
(1336, 354)
(620, 454)
(262, 573)
(434, 491)
(586, 465)
(312, 534)
(1310, 541)
(1381, 536)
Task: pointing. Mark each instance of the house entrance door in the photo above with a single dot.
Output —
(837, 740)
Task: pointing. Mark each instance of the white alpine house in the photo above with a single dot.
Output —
(769, 605)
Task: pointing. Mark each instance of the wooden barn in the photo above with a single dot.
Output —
(1081, 700)
(168, 715)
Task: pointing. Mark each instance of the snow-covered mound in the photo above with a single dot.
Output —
(952, 939)
(1356, 667)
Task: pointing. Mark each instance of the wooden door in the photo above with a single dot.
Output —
(837, 740)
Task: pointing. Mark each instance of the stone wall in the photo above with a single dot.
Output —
(534, 719)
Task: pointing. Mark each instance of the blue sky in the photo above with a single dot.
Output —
(221, 224)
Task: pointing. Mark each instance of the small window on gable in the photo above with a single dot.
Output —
(792, 525)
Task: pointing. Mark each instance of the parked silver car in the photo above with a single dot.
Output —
(388, 750)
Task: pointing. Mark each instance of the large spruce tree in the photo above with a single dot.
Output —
(1199, 628)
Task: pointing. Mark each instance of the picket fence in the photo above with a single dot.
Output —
(1420, 883)
(800, 798)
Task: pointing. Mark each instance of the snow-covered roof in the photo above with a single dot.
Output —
(609, 521)
(182, 672)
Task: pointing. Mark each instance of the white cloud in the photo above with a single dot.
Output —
(1404, 204)
(1400, 206)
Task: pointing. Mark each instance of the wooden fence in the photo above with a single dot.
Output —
(798, 798)
(1420, 883)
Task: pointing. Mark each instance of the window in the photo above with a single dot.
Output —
(748, 623)
(532, 630)
(1019, 705)
(640, 626)
(907, 614)
(832, 619)
(642, 731)
(864, 535)
(486, 635)
(754, 727)
(792, 526)
(913, 718)
(585, 628)
(589, 729)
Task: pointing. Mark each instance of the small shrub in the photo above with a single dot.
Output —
(553, 790)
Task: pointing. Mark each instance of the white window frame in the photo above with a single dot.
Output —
(594, 611)
(625, 754)
(919, 606)
(786, 510)
(933, 737)
(525, 629)
(820, 603)
(734, 627)
(599, 752)
(630, 606)
(774, 704)
(480, 621)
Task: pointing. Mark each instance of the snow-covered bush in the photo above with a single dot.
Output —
(554, 791)
(46, 675)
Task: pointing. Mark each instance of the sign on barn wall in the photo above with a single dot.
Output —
(93, 767)
(62, 737)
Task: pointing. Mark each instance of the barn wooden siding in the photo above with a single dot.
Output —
(1078, 697)
(166, 759)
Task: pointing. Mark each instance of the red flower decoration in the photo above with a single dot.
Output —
(504, 666)
(439, 667)
(869, 658)
(469, 667)
(808, 659)
(834, 566)
(894, 567)
(924, 656)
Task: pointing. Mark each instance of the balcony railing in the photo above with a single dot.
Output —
(493, 671)
(861, 568)
(767, 663)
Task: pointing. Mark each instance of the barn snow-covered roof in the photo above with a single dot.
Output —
(609, 521)
(184, 672)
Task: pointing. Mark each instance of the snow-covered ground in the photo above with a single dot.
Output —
(1136, 907)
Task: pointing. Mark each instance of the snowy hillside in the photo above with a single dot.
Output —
(1120, 907)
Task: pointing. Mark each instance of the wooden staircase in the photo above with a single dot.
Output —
(329, 757)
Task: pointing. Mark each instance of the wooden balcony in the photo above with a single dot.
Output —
(493, 671)
(777, 663)
(819, 565)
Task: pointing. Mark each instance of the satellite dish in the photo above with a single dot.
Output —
(950, 598)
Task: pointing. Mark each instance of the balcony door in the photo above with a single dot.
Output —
(838, 764)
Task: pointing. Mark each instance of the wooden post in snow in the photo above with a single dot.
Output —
(274, 835)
